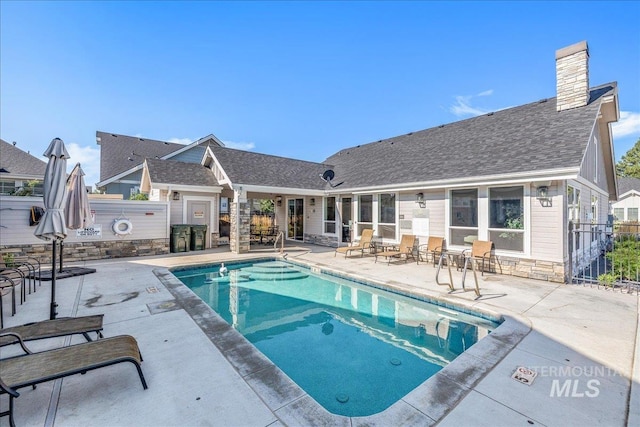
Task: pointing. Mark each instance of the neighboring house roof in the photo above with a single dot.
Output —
(122, 154)
(172, 172)
(16, 163)
(249, 168)
(628, 184)
(531, 137)
(116, 152)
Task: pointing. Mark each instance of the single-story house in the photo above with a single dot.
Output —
(18, 168)
(628, 204)
(523, 177)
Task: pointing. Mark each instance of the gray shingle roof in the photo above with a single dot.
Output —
(531, 137)
(14, 161)
(627, 183)
(115, 151)
(246, 167)
(180, 173)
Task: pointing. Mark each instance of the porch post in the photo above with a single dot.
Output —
(240, 222)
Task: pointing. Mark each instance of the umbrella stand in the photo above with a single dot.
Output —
(61, 252)
(52, 312)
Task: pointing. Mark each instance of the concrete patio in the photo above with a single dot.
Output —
(200, 373)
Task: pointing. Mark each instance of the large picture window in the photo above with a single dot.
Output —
(464, 217)
(330, 215)
(387, 215)
(506, 218)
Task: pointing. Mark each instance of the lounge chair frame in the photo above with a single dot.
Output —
(366, 239)
(31, 368)
(59, 327)
(406, 248)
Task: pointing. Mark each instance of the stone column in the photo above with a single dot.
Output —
(240, 213)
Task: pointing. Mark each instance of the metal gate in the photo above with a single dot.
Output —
(606, 255)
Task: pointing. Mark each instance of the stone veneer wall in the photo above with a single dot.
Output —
(92, 250)
(533, 269)
(572, 76)
(321, 240)
(240, 220)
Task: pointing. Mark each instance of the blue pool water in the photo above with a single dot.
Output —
(355, 349)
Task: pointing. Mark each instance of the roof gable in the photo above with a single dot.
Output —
(15, 162)
(249, 168)
(179, 173)
(527, 138)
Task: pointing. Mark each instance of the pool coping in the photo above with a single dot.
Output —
(425, 405)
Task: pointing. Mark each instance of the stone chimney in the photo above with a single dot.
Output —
(572, 76)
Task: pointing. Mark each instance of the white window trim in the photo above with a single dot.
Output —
(483, 218)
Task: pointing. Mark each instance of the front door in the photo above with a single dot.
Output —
(295, 219)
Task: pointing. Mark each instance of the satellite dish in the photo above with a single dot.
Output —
(328, 175)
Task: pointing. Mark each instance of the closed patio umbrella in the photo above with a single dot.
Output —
(52, 224)
(77, 212)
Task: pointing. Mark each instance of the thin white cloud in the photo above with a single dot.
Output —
(629, 124)
(183, 141)
(247, 146)
(89, 159)
(463, 107)
(486, 93)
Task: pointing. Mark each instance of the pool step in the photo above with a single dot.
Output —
(274, 272)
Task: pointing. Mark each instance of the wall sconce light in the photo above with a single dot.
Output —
(176, 195)
(279, 200)
(420, 198)
(312, 201)
(542, 192)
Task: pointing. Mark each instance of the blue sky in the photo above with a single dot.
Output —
(295, 79)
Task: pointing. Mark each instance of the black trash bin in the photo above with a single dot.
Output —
(180, 238)
(198, 237)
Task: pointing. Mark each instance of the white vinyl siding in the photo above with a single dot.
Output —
(149, 220)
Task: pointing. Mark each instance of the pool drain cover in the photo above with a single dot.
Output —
(342, 398)
(395, 362)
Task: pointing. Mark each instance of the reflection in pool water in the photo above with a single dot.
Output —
(353, 348)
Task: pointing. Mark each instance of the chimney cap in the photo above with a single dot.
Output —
(570, 50)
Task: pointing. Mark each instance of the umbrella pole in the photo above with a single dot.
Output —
(61, 251)
(52, 312)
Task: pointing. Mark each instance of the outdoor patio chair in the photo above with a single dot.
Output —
(31, 368)
(7, 286)
(406, 248)
(60, 327)
(433, 249)
(482, 251)
(365, 243)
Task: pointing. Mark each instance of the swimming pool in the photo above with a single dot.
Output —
(353, 348)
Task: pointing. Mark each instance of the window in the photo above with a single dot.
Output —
(387, 215)
(330, 215)
(594, 218)
(618, 214)
(365, 213)
(632, 214)
(573, 215)
(506, 218)
(464, 216)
